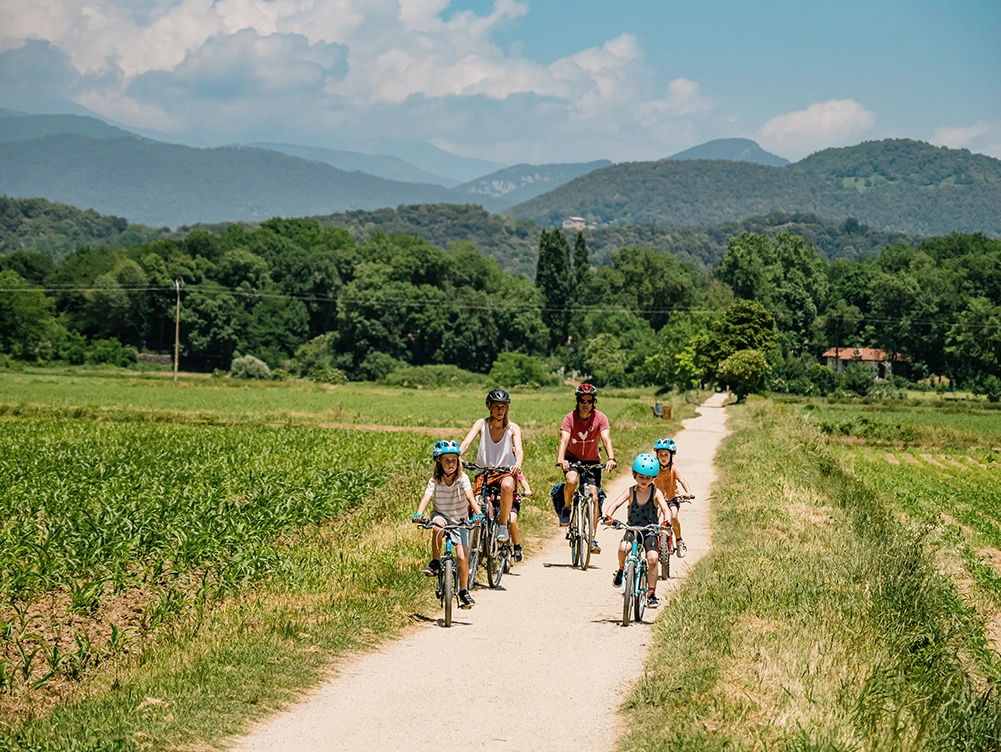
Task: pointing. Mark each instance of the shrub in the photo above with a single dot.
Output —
(414, 377)
(859, 377)
(743, 372)
(517, 369)
(111, 351)
(248, 367)
(378, 365)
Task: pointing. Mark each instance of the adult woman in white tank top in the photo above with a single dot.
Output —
(500, 446)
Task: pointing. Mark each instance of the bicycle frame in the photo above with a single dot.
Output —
(496, 555)
(635, 575)
(447, 589)
(581, 529)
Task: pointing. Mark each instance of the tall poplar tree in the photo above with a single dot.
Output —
(581, 266)
(554, 278)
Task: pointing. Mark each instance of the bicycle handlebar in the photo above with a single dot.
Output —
(483, 469)
(619, 525)
(578, 465)
(429, 525)
(683, 498)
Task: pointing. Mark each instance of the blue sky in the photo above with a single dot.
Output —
(516, 80)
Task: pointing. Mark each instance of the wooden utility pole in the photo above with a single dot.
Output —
(177, 326)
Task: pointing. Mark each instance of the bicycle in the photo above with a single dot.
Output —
(667, 541)
(448, 573)
(483, 539)
(634, 575)
(580, 533)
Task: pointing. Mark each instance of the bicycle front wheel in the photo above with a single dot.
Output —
(474, 553)
(448, 588)
(639, 601)
(572, 536)
(495, 564)
(628, 591)
(586, 534)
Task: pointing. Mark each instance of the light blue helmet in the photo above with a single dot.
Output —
(646, 464)
(445, 446)
(667, 444)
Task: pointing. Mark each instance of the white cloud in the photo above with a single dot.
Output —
(822, 124)
(348, 72)
(981, 137)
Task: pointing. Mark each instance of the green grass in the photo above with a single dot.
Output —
(821, 621)
(224, 401)
(195, 572)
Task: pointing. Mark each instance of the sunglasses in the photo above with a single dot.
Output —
(586, 401)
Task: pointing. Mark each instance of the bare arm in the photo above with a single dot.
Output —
(610, 508)
(519, 452)
(424, 504)
(561, 452)
(684, 484)
(665, 513)
(606, 439)
(471, 436)
(472, 501)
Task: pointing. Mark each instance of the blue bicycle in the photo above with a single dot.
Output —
(448, 574)
(635, 574)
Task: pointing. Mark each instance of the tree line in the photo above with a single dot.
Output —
(313, 300)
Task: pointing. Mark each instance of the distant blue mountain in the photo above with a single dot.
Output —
(380, 165)
(733, 150)
(512, 185)
(23, 127)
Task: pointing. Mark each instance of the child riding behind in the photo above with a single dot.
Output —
(645, 506)
(451, 492)
(667, 481)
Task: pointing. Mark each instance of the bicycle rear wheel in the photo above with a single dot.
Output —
(628, 591)
(639, 603)
(666, 546)
(448, 592)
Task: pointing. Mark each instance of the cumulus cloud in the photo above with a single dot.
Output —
(981, 137)
(352, 72)
(822, 124)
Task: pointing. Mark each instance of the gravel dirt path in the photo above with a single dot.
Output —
(542, 664)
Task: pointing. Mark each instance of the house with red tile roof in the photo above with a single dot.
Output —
(838, 359)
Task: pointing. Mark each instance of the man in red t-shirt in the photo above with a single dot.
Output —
(580, 434)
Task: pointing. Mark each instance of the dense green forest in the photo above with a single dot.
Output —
(56, 229)
(896, 185)
(315, 301)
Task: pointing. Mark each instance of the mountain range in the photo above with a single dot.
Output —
(896, 185)
(733, 149)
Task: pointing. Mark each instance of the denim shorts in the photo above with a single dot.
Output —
(459, 536)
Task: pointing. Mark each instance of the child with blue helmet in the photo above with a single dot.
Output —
(452, 495)
(667, 481)
(646, 507)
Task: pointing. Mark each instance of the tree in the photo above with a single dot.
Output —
(554, 279)
(745, 325)
(743, 372)
(25, 315)
(581, 265)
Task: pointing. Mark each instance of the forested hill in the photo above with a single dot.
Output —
(515, 243)
(37, 225)
(165, 184)
(895, 185)
(23, 127)
(512, 185)
(736, 149)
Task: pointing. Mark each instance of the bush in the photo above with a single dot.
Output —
(414, 377)
(328, 375)
(378, 365)
(859, 377)
(743, 372)
(111, 351)
(516, 369)
(990, 386)
(248, 367)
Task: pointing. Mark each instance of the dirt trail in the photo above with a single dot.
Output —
(544, 664)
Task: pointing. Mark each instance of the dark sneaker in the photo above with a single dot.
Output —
(433, 568)
(466, 600)
(617, 578)
(564, 516)
(519, 555)
(651, 600)
(595, 548)
(682, 549)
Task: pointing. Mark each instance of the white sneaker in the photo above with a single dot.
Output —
(502, 533)
(682, 549)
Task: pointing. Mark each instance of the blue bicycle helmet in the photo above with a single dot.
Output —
(646, 464)
(445, 446)
(667, 444)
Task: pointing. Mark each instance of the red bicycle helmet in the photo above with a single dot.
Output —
(586, 389)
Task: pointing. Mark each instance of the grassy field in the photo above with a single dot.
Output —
(830, 615)
(176, 561)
